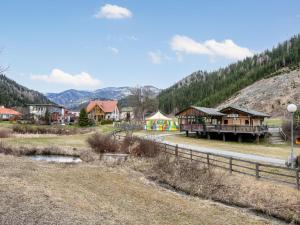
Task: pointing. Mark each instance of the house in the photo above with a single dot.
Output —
(9, 114)
(230, 120)
(103, 110)
(57, 113)
(241, 116)
(127, 113)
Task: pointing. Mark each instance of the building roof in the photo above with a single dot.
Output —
(158, 116)
(107, 106)
(8, 111)
(207, 111)
(248, 111)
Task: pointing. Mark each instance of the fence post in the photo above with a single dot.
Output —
(191, 155)
(230, 165)
(165, 148)
(176, 151)
(257, 170)
(207, 157)
(297, 179)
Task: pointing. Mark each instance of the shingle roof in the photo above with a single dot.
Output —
(209, 111)
(107, 106)
(8, 111)
(249, 111)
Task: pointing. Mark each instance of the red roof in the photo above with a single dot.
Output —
(8, 111)
(106, 106)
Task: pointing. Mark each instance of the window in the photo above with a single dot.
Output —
(246, 122)
(226, 122)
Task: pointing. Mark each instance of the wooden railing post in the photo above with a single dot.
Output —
(207, 158)
(257, 170)
(176, 151)
(191, 155)
(297, 179)
(230, 165)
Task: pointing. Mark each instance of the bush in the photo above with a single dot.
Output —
(140, 147)
(83, 120)
(5, 133)
(29, 129)
(101, 143)
(5, 149)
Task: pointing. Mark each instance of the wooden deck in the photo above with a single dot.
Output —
(235, 129)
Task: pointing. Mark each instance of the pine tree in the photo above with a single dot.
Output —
(83, 118)
(47, 117)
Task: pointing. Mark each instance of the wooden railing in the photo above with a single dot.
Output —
(276, 173)
(223, 128)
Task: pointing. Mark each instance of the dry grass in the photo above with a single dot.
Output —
(46, 193)
(273, 199)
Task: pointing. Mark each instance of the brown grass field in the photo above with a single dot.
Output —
(48, 193)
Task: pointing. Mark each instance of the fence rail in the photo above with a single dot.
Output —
(256, 169)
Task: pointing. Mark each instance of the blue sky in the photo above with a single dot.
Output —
(55, 45)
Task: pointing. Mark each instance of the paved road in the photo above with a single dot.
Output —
(226, 152)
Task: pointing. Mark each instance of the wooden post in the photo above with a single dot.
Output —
(186, 133)
(257, 139)
(191, 155)
(207, 158)
(176, 151)
(240, 138)
(224, 137)
(230, 165)
(257, 170)
(297, 179)
(208, 136)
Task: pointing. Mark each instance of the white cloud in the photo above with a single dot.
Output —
(82, 80)
(113, 12)
(227, 48)
(113, 50)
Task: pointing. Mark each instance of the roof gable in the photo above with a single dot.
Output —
(247, 111)
(9, 111)
(107, 106)
(204, 111)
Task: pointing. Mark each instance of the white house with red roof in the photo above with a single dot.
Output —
(9, 114)
(103, 110)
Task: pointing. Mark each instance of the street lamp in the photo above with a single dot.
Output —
(292, 108)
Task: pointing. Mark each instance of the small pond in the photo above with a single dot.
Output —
(56, 158)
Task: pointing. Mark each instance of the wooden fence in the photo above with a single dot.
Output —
(256, 169)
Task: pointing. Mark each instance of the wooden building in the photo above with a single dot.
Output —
(230, 120)
(103, 110)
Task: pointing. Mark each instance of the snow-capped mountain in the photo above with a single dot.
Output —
(73, 98)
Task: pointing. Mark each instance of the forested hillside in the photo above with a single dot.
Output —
(212, 88)
(13, 94)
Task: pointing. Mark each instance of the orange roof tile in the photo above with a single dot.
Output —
(9, 112)
(107, 106)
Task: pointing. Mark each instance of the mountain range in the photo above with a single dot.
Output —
(74, 98)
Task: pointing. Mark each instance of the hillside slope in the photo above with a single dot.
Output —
(13, 94)
(271, 95)
(212, 88)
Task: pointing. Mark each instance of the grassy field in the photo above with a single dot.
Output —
(276, 151)
(46, 193)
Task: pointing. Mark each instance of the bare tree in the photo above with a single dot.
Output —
(143, 99)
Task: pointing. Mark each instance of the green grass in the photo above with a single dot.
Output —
(277, 122)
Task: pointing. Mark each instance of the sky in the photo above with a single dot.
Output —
(55, 45)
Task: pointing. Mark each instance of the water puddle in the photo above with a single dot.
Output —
(56, 158)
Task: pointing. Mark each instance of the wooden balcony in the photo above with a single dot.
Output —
(237, 129)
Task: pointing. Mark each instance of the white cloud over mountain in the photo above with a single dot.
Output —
(226, 49)
(109, 11)
(57, 76)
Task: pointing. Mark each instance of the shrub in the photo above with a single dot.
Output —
(140, 147)
(29, 129)
(5, 133)
(101, 143)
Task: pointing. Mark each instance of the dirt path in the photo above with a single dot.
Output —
(46, 193)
